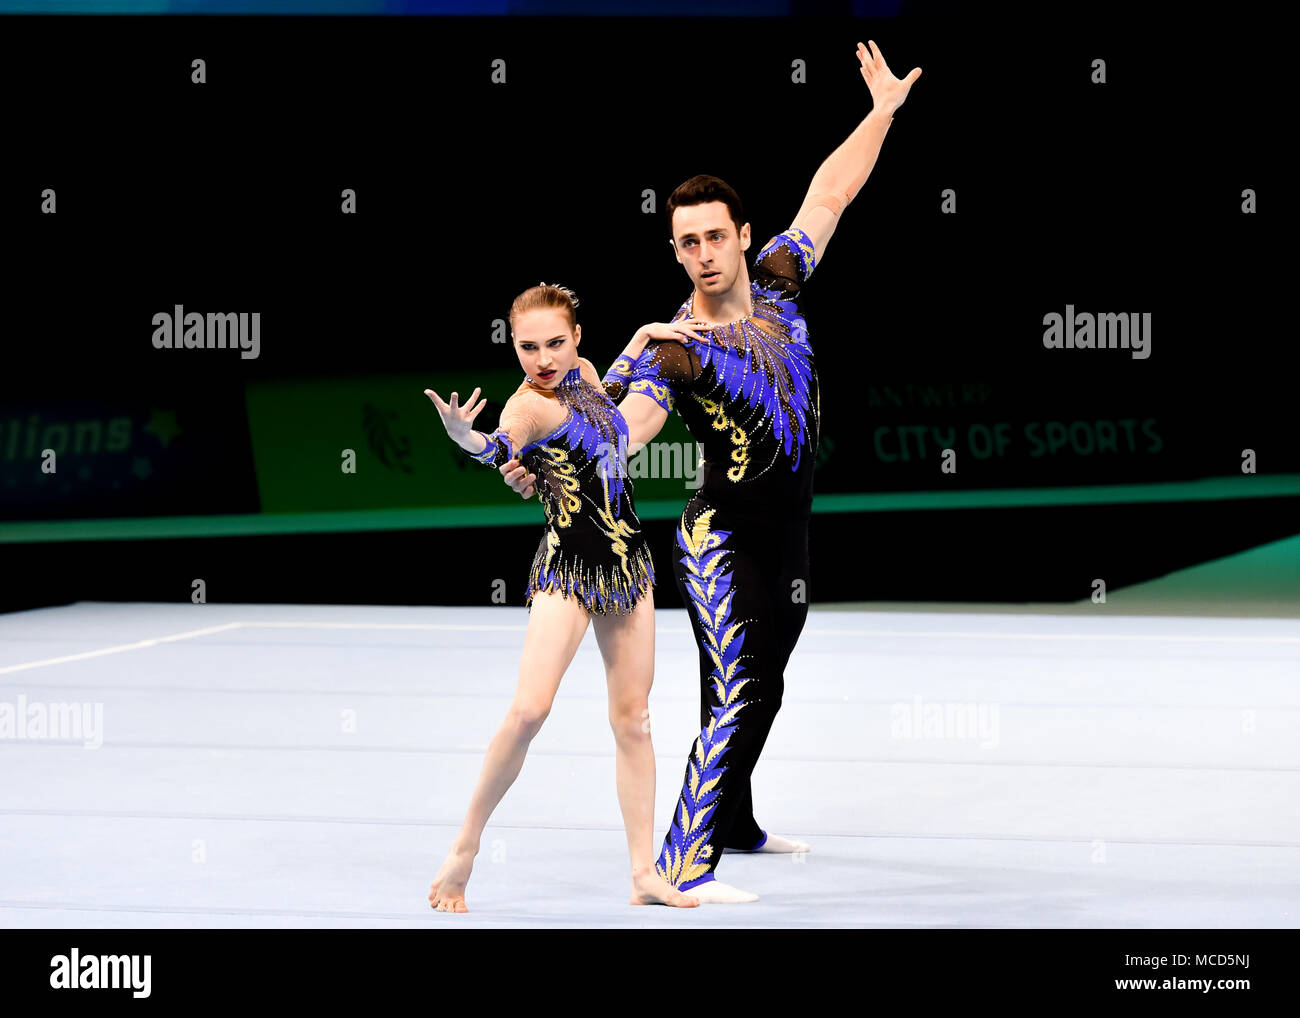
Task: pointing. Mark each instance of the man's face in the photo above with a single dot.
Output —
(709, 247)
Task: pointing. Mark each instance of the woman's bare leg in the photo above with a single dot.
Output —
(627, 643)
(556, 626)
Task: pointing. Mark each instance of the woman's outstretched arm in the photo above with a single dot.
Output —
(521, 422)
(624, 368)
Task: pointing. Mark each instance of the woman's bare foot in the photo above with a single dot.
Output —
(448, 891)
(649, 888)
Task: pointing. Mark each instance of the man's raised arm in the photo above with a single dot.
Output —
(841, 176)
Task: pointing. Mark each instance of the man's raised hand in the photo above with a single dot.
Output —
(887, 92)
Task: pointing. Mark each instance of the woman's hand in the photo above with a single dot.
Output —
(887, 92)
(518, 478)
(673, 330)
(458, 420)
(664, 330)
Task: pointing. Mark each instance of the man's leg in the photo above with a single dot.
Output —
(720, 572)
(786, 568)
(745, 833)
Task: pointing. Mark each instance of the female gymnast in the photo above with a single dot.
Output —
(592, 564)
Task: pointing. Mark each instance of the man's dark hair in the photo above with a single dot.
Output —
(703, 188)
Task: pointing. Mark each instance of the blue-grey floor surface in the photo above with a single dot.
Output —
(307, 766)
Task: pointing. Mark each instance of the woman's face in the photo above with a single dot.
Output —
(547, 347)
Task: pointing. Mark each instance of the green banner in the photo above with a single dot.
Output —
(376, 442)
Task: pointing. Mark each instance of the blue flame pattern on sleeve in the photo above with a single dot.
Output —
(617, 378)
(496, 452)
(645, 375)
(788, 258)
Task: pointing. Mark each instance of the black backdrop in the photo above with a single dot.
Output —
(1117, 197)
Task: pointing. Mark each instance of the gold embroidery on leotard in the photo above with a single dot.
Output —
(615, 530)
(565, 474)
(654, 389)
(721, 422)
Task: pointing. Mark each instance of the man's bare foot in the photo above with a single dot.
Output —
(448, 891)
(777, 844)
(715, 892)
(649, 888)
